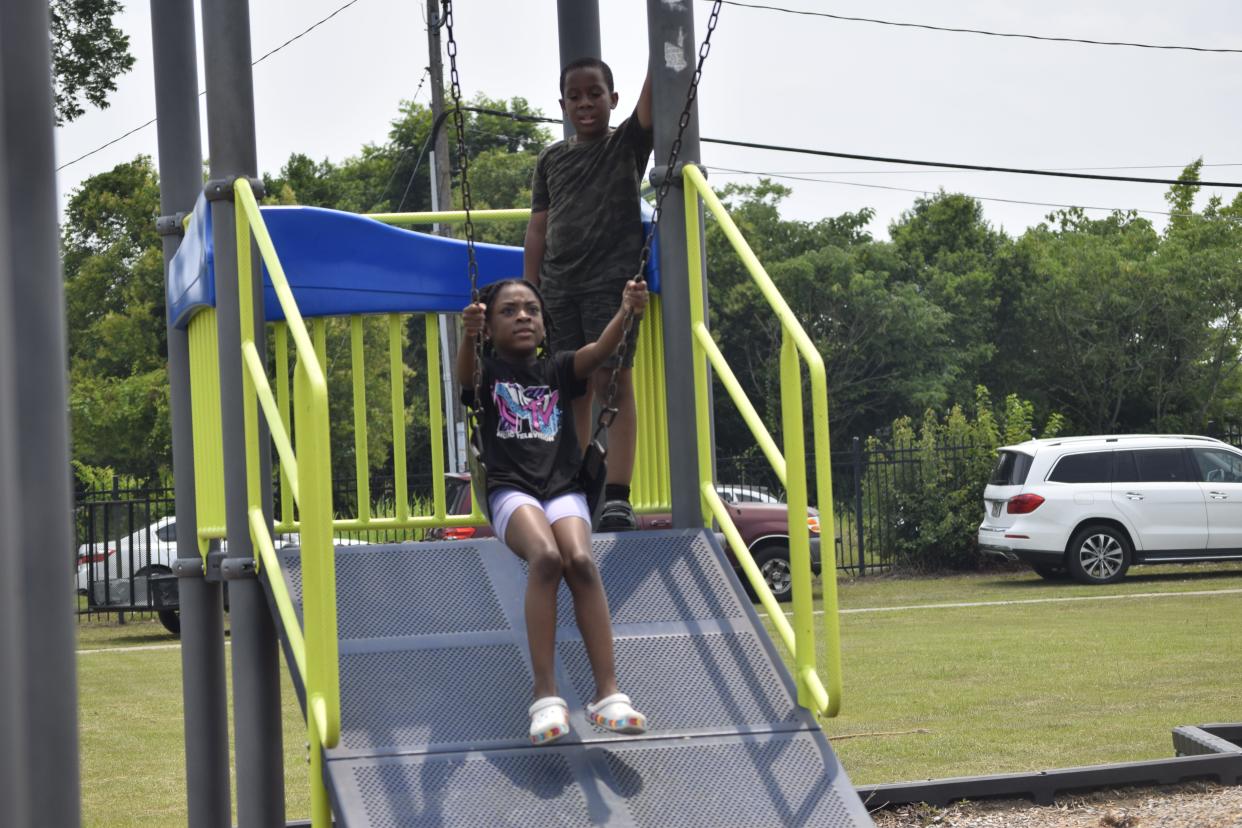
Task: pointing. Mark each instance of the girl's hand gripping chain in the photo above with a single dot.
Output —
(634, 299)
(473, 317)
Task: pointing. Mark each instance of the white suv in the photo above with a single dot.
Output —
(1092, 506)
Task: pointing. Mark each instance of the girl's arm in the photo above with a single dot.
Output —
(591, 356)
(472, 318)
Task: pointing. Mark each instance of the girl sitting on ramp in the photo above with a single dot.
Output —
(537, 506)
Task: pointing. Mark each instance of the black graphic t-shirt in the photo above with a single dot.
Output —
(529, 442)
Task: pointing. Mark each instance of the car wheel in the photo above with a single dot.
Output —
(773, 563)
(170, 618)
(1098, 555)
(1051, 572)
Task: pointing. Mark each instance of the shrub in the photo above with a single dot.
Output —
(934, 475)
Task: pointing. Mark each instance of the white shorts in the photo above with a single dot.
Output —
(504, 502)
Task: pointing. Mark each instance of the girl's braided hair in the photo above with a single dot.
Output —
(488, 294)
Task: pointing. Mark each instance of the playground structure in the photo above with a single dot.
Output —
(679, 614)
(217, 327)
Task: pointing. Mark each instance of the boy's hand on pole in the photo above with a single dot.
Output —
(634, 299)
(472, 317)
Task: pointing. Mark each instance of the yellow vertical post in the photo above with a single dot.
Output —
(362, 465)
(321, 807)
(396, 377)
(799, 532)
(250, 408)
(282, 402)
(827, 532)
(435, 404)
(319, 332)
(702, 410)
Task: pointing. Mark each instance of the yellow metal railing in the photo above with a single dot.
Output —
(307, 470)
(790, 466)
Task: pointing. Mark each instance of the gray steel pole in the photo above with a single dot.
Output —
(577, 23)
(202, 608)
(670, 29)
(441, 175)
(14, 783)
(256, 669)
(45, 537)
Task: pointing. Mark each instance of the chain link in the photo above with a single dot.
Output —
(459, 126)
(607, 411)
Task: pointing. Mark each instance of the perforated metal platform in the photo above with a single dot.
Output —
(435, 681)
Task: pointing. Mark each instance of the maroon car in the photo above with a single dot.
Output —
(761, 519)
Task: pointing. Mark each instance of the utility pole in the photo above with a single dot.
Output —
(442, 199)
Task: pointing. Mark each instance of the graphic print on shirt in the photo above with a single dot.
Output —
(526, 412)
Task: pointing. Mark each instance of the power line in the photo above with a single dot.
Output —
(406, 151)
(980, 167)
(297, 36)
(934, 172)
(1072, 172)
(957, 30)
(305, 32)
(926, 192)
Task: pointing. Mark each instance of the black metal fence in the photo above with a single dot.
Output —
(125, 535)
(880, 498)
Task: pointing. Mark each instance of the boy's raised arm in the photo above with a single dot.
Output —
(643, 109)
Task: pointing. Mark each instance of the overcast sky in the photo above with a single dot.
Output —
(779, 78)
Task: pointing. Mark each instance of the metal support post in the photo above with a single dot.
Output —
(40, 525)
(256, 670)
(202, 607)
(670, 29)
(577, 23)
(14, 782)
(441, 177)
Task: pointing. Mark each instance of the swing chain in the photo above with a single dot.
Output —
(608, 411)
(459, 125)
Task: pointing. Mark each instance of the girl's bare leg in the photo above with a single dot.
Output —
(573, 538)
(530, 537)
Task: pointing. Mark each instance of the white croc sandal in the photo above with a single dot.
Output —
(615, 713)
(549, 720)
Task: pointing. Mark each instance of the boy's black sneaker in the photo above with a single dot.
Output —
(617, 516)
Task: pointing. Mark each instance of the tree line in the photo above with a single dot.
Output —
(1114, 324)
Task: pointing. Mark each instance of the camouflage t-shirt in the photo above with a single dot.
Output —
(591, 191)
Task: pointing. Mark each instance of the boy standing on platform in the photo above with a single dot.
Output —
(583, 244)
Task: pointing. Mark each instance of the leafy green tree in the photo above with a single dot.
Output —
(949, 252)
(88, 54)
(114, 298)
(884, 344)
(925, 480)
(395, 177)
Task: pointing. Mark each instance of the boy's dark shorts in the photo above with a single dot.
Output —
(580, 318)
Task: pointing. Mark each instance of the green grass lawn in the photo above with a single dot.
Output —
(929, 692)
(997, 689)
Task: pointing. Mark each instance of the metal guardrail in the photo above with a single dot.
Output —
(790, 467)
(308, 473)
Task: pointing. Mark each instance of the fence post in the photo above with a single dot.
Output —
(856, 450)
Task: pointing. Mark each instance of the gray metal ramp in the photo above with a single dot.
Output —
(435, 682)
